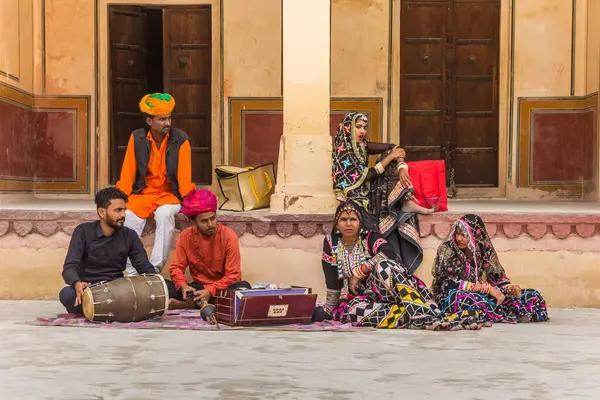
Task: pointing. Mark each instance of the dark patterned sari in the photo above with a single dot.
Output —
(390, 297)
(455, 271)
(380, 196)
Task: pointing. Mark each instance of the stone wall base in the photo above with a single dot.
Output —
(564, 270)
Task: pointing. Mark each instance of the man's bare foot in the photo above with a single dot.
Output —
(175, 304)
(412, 207)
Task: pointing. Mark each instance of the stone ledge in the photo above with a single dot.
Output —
(262, 223)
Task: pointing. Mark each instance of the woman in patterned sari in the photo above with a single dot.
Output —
(467, 275)
(384, 192)
(366, 283)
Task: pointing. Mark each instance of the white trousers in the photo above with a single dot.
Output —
(163, 237)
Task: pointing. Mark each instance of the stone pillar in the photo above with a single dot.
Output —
(304, 172)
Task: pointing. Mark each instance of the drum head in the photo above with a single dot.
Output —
(166, 289)
(87, 303)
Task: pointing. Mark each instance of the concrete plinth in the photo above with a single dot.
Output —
(304, 176)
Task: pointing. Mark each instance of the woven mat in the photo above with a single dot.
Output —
(188, 320)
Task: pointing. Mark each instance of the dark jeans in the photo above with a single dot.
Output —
(176, 294)
(67, 297)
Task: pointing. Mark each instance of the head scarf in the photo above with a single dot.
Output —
(480, 256)
(347, 207)
(198, 202)
(350, 161)
(157, 104)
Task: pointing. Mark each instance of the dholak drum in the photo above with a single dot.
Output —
(128, 299)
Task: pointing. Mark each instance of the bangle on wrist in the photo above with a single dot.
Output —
(402, 165)
(488, 288)
(379, 168)
(366, 269)
(357, 273)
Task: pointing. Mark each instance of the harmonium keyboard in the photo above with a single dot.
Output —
(253, 307)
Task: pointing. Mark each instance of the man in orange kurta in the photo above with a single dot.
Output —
(210, 250)
(156, 175)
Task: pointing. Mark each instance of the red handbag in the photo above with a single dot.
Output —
(429, 180)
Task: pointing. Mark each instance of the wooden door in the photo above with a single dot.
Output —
(449, 86)
(128, 30)
(187, 39)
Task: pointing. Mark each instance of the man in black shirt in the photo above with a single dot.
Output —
(99, 250)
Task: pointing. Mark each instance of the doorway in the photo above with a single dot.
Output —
(161, 49)
(449, 63)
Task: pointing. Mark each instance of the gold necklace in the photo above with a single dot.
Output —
(354, 242)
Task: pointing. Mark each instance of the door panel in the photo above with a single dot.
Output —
(474, 163)
(424, 93)
(471, 128)
(474, 94)
(195, 57)
(477, 19)
(188, 76)
(421, 78)
(194, 98)
(448, 86)
(477, 26)
(474, 60)
(128, 28)
(423, 19)
(432, 55)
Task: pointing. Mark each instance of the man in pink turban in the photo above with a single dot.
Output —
(210, 250)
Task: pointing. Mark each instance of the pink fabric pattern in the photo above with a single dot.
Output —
(198, 202)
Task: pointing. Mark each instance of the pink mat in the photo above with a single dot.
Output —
(189, 320)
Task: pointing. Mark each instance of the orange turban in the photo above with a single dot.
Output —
(157, 104)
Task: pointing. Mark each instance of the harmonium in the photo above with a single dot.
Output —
(252, 307)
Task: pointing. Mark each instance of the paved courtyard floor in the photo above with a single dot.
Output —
(555, 360)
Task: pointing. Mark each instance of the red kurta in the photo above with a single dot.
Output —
(214, 261)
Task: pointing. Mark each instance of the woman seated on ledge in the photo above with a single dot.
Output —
(384, 192)
(467, 276)
(366, 283)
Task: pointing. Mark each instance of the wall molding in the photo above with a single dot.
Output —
(528, 108)
(263, 223)
(79, 106)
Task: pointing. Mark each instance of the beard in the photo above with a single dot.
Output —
(208, 232)
(116, 224)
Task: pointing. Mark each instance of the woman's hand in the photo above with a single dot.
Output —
(397, 152)
(354, 281)
(404, 178)
(515, 290)
(497, 294)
